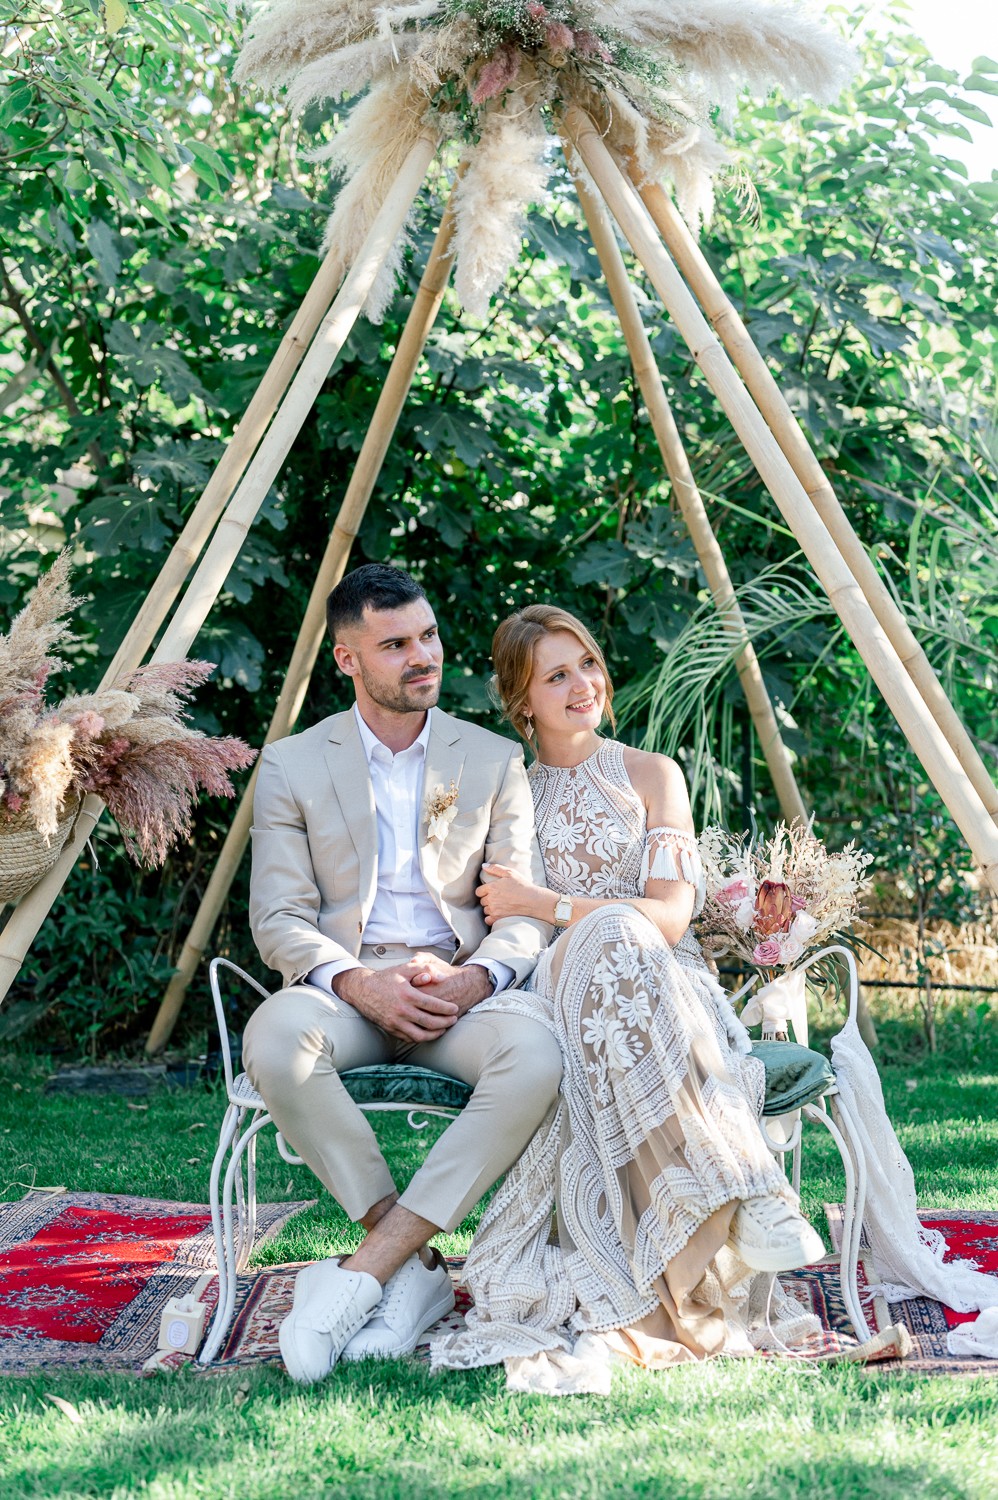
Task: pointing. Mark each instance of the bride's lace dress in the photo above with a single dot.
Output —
(655, 1138)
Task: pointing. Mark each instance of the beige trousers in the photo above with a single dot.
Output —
(299, 1041)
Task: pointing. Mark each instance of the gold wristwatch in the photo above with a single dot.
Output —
(563, 911)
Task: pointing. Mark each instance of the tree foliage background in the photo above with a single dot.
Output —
(159, 228)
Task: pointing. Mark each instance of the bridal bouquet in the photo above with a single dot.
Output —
(773, 902)
(129, 743)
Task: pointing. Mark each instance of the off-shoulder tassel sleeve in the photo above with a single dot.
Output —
(672, 855)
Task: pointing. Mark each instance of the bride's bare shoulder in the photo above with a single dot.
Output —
(661, 785)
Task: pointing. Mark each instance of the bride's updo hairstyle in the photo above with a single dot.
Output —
(513, 647)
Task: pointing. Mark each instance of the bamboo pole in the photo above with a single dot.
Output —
(422, 316)
(26, 918)
(688, 498)
(708, 548)
(239, 450)
(762, 384)
(905, 702)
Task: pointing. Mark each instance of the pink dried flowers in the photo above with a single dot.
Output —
(772, 902)
(130, 743)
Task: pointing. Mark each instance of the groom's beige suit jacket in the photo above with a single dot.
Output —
(315, 844)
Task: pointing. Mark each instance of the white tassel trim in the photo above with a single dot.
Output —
(661, 865)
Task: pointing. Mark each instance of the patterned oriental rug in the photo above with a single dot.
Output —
(84, 1278)
(970, 1234)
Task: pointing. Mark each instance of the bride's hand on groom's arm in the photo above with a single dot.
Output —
(391, 999)
(507, 894)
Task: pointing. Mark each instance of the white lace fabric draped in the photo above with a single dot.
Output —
(655, 1137)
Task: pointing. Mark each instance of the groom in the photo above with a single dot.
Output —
(370, 832)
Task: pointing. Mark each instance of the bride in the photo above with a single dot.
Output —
(648, 1204)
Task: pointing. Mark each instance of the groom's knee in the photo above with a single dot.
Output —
(281, 1038)
(529, 1061)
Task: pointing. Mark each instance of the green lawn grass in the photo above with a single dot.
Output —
(393, 1432)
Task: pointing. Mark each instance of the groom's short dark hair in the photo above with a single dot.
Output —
(373, 586)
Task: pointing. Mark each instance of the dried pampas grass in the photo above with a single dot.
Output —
(505, 174)
(728, 45)
(131, 743)
(369, 152)
(286, 35)
(651, 73)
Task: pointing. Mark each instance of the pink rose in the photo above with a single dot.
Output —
(767, 954)
(797, 903)
(733, 892)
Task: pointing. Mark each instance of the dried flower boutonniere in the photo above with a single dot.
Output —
(441, 810)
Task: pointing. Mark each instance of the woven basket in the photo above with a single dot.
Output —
(24, 855)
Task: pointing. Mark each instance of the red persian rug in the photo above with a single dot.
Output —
(84, 1277)
(970, 1234)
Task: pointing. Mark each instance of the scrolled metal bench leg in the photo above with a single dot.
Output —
(226, 1304)
(849, 1255)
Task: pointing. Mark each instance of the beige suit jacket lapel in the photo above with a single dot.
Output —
(354, 792)
(443, 764)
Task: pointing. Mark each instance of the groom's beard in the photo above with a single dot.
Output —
(400, 697)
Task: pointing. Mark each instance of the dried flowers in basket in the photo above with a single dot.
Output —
(771, 903)
(128, 743)
(488, 73)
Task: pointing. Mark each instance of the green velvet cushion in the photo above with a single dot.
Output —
(403, 1084)
(794, 1075)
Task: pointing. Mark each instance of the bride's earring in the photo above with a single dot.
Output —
(528, 726)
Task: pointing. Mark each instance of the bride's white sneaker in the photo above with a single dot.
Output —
(769, 1234)
(329, 1306)
(414, 1298)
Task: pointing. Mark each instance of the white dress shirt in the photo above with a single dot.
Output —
(403, 911)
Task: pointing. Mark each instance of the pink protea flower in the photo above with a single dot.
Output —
(498, 73)
(588, 44)
(773, 908)
(767, 954)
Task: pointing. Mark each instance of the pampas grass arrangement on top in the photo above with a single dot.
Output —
(130, 744)
(653, 74)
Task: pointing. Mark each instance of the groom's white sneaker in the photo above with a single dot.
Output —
(414, 1298)
(769, 1234)
(329, 1306)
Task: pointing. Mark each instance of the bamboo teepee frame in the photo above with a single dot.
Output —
(760, 416)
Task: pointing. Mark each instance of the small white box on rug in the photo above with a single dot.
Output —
(182, 1324)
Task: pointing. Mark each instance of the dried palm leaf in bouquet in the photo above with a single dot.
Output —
(131, 744)
(654, 74)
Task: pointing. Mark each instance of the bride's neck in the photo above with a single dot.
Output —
(567, 750)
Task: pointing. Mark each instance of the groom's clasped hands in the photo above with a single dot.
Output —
(416, 1001)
